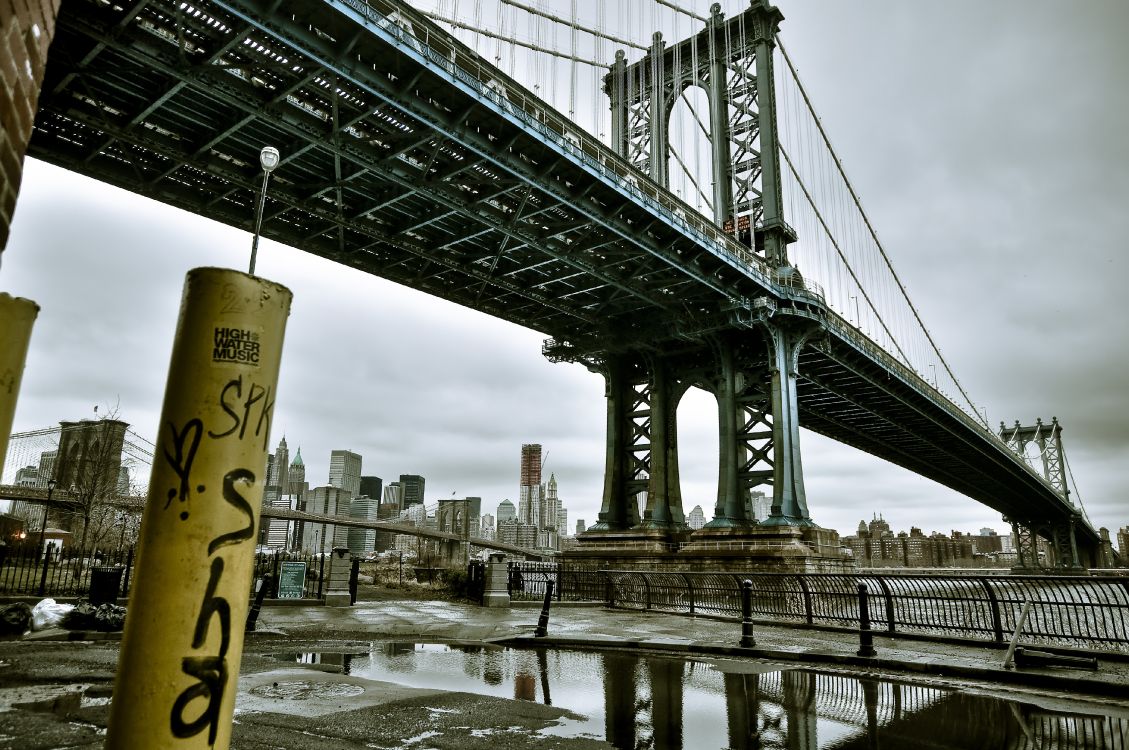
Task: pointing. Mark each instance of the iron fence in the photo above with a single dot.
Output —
(28, 571)
(1092, 612)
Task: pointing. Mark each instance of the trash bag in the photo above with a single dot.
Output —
(49, 614)
(15, 619)
(81, 617)
(109, 617)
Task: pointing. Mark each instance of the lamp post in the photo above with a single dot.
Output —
(858, 313)
(43, 522)
(268, 158)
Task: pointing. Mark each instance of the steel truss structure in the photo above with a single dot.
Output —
(407, 156)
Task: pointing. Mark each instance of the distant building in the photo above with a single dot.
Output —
(760, 505)
(1123, 544)
(529, 505)
(518, 533)
(296, 476)
(581, 526)
(345, 471)
(361, 540)
(372, 487)
(486, 528)
(394, 496)
(506, 512)
(28, 476)
(411, 490)
(562, 522)
(323, 537)
(875, 545)
(696, 519)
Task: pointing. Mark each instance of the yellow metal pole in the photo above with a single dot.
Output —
(16, 317)
(180, 653)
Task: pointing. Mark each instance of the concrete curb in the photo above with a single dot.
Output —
(934, 667)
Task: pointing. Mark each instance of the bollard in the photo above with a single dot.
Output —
(866, 638)
(261, 587)
(180, 653)
(747, 640)
(16, 318)
(543, 621)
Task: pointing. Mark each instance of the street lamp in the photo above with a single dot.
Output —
(43, 522)
(268, 158)
(858, 313)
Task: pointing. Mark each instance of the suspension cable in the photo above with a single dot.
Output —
(870, 228)
(572, 24)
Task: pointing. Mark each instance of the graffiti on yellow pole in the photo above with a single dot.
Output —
(179, 661)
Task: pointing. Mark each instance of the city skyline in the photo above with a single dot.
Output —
(1008, 287)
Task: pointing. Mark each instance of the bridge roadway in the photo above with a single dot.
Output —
(63, 499)
(407, 156)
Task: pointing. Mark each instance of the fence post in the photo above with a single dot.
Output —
(889, 603)
(807, 598)
(689, 590)
(46, 560)
(128, 572)
(543, 621)
(994, 603)
(560, 581)
(747, 640)
(866, 638)
(646, 589)
(609, 589)
(354, 573)
(510, 578)
(274, 575)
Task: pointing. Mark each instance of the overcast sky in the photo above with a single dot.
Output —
(989, 143)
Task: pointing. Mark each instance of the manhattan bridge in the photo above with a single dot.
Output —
(645, 183)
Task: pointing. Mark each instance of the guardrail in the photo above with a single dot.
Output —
(1066, 610)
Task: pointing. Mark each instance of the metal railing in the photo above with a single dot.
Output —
(26, 571)
(1066, 610)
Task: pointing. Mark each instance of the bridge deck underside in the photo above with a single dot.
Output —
(391, 168)
(387, 168)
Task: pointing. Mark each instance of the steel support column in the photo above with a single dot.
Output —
(664, 492)
(618, 510)
(789, 500)
(744, 440)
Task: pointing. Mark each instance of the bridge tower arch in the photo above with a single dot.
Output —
(731, 60)
(1065, 554)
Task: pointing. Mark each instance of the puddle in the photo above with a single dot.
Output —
(633, 701)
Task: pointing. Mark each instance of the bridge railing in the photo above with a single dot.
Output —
(424, 37)
(1073, 611)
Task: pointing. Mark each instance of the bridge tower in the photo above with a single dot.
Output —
(731, 60)
(752, 368)
(1047, 440)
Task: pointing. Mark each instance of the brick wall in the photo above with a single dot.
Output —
(26, 28)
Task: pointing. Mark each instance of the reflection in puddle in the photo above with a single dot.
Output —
(634, 701)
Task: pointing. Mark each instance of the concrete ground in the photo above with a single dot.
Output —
(55, 692)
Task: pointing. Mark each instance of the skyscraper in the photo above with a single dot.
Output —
(372, 487)
(696, 519)
(411, 490)
(345, 471)
(278, 471)
(296, 476)
(529, 505)
(506, 512)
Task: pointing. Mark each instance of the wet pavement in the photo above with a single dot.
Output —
(297, 689)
